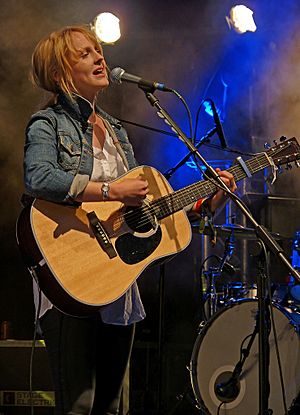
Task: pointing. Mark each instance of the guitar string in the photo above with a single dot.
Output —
(255, 165)
(161, 204)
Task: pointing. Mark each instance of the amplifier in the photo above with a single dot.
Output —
(15, 398)
(280, 215)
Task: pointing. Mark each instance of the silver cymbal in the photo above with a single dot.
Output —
(238, 231)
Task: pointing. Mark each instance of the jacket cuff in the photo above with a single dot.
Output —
(78, 185)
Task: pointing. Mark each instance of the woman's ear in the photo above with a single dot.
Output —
(56, 76)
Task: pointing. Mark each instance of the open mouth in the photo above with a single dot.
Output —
(98, 71)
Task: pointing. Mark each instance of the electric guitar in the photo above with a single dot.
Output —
(88, 256)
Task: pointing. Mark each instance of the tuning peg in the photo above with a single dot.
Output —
(288, 166)
(275, 142)
(267, 146)
(297, 163)
(279, 170)
(282, 138)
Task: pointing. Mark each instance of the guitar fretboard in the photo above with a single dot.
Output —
(179, 199)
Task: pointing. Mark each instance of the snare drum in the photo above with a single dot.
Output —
(217, 350)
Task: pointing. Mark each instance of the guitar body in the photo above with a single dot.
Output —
(76, 273)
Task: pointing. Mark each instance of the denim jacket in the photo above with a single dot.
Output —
(58, 160)
(58, 164)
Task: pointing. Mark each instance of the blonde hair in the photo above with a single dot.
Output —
(52, 57)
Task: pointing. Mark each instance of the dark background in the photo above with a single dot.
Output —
(189, 46)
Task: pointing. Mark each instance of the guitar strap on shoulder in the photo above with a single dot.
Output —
(116, 142)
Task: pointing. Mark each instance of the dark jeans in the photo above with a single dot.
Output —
(88, 360)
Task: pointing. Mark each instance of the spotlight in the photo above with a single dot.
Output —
(241, 19)
(106, 27)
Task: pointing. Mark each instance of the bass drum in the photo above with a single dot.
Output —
(217, 350)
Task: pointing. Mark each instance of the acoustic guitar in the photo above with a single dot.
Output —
(89, 255)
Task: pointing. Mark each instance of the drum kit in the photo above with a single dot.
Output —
(224, 367)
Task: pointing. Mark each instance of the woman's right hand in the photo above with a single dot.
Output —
(131, 192)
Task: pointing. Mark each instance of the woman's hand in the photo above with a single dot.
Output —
(131, 192)
(220, 197)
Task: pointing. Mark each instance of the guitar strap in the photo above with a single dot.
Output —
(116, 142)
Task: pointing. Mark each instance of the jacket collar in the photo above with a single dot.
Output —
(80, 109)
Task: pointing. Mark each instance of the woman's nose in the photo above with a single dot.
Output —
(98, 57)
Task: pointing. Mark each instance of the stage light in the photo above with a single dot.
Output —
(107, 27)
(241, 19)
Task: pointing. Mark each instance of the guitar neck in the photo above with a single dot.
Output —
(179, 199)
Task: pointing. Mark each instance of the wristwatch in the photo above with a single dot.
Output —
(105, 190)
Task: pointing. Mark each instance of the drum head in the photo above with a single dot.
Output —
(217, 350)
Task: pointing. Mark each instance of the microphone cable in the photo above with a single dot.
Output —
(219, 407)
(188, 112)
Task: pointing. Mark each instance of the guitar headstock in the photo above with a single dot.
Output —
(285, 152)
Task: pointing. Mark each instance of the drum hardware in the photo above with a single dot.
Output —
(213, 273)
(288, 295)
(212, 298)
(294, 297)
(239, 232)
(228, 384)
(296, 251)
(237, 290)
(213, 354)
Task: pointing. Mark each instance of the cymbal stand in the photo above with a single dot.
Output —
(211, 296)
(228, 250)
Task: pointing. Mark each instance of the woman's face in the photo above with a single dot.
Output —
(89, 68)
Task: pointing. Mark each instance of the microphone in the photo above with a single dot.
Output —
(228, 391)
(118, 75)
(218, 124)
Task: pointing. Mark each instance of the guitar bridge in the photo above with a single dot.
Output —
(101, 235)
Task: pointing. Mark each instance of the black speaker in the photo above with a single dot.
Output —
(280, 215)
(15, 396)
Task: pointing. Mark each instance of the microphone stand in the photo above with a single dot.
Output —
(262, 234)
(202, 140)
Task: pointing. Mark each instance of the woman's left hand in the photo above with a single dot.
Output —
(220, 197)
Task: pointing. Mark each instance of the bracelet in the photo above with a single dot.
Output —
(198, 205)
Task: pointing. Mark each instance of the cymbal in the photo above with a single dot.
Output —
(238, 231)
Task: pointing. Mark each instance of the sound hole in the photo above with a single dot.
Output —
(133, 248)
(140, 219)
